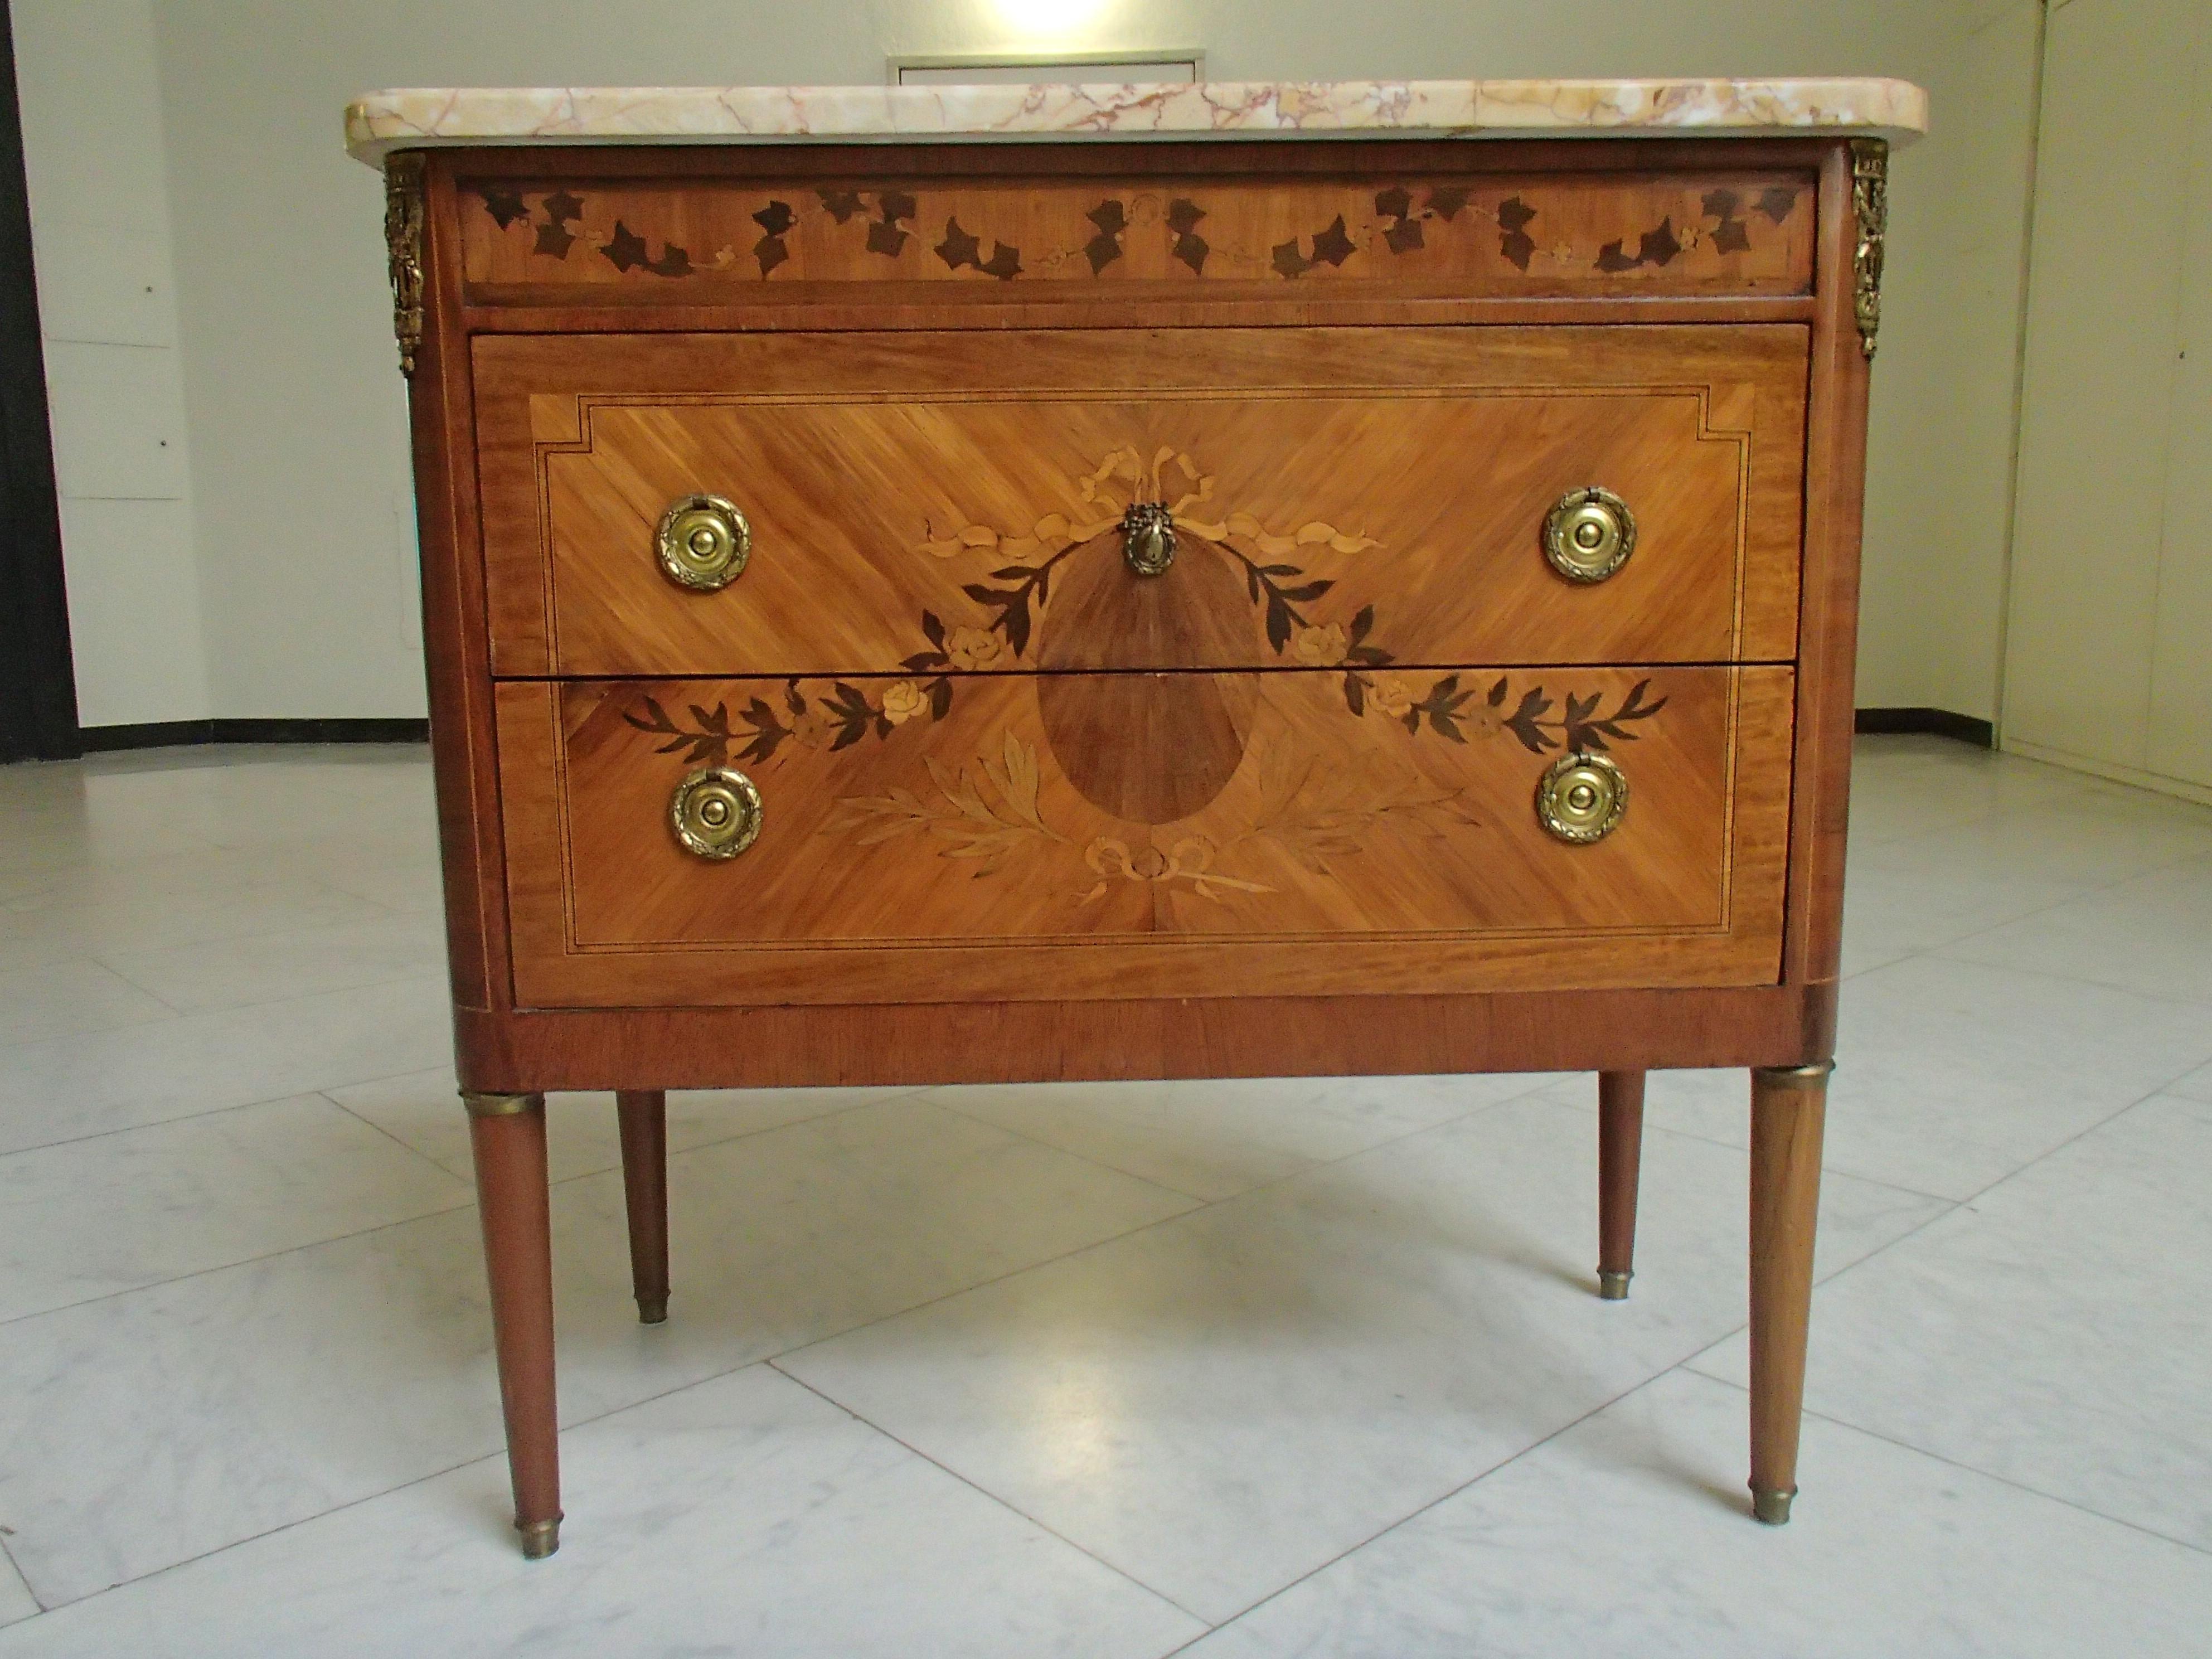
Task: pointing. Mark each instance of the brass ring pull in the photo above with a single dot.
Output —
(716, 812)
(1582, 797)
(1588, 534)
(704, 542)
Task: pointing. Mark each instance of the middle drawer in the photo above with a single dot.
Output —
(1140, 499)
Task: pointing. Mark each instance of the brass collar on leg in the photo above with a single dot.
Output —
(1795, 1076)
(500, 1105)
(539, 1538)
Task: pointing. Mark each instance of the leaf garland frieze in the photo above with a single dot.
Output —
(1015, 595)
(985, 810)
(1400, 220)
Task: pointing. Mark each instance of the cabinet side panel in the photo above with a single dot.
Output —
(442, 401)
(1835, 497)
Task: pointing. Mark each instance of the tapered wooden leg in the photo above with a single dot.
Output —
(508, 1133)
(644, 1114)
(1788, 1106)
(1619, 1158)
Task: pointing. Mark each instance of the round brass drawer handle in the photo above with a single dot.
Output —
(716, 812)
(704, 542)
(1582, 797)
(1588, 534)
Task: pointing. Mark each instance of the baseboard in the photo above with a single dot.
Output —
(2134, 775)
(168, 734)
(1931, 722)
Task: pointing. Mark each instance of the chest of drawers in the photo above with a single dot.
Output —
(942, 613)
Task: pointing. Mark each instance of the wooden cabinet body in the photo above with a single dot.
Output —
(1027, 811)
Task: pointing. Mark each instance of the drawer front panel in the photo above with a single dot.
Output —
(639, 242)
(941, 838)
(962, 499)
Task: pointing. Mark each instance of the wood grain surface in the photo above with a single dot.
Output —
(907, 490)
(1347, 1034)
(1142, 834)
(653, 241)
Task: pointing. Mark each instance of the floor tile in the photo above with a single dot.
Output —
(2153, 935)
(16, 1599)
(2197, 1086)
(63, 1088)
(154, 1425)
(1628, 1535)
(828, 1223)
(742, 1517)
(1221, 1403)
(276, 967)
(1987, 868)
(2057, 1332)
(424, 1110)
(1950, 1075)
(203, 903)
(1215, 1139)
(64, 999)
(1909, 786)
(90, 1217)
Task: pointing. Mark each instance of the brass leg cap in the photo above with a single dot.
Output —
(653, 1310)
(539, 1538)
(1613, 1285)
(1772, 1507)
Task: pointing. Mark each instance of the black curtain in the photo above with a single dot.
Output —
(38, 686)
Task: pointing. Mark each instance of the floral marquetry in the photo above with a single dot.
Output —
(1314, 498)
(1748, 233)
(920, 612)
(1117, 814)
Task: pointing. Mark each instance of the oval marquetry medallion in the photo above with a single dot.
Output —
(1147, 747)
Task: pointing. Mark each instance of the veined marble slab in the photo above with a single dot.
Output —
(417, 117)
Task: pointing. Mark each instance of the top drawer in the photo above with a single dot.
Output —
(1411, 230)
(965, 500)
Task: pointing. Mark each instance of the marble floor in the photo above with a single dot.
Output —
(1260, 1368)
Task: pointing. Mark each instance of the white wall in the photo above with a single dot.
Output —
(296, 411)
(2108, 668)
(93, 151)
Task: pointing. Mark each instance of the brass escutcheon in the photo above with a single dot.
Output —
(716, 812)
(1588, 534)
(704, 542)
(1582, 797)
(1148, 537)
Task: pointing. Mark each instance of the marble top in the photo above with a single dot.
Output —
(418, 118)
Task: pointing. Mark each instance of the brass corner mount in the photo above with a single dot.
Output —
(1870, 206)
(403, 240)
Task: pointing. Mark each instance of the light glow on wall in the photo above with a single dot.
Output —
(1049, 19)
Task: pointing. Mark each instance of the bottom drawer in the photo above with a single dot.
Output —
(1123, 834)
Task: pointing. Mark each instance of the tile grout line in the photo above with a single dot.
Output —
(1199, 1201)
(1443, 1497)
(100, 962)
(1979, 1192)
(427, 977)
(1937, 954)
(1825, 1169)
(1965, 1468)
(1307, 1168)
(24, 1579)
(766, 1360)
(1691, 1364)
(994, 1498)
(458, 1204)
(455, 1175)
(467, 1202)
